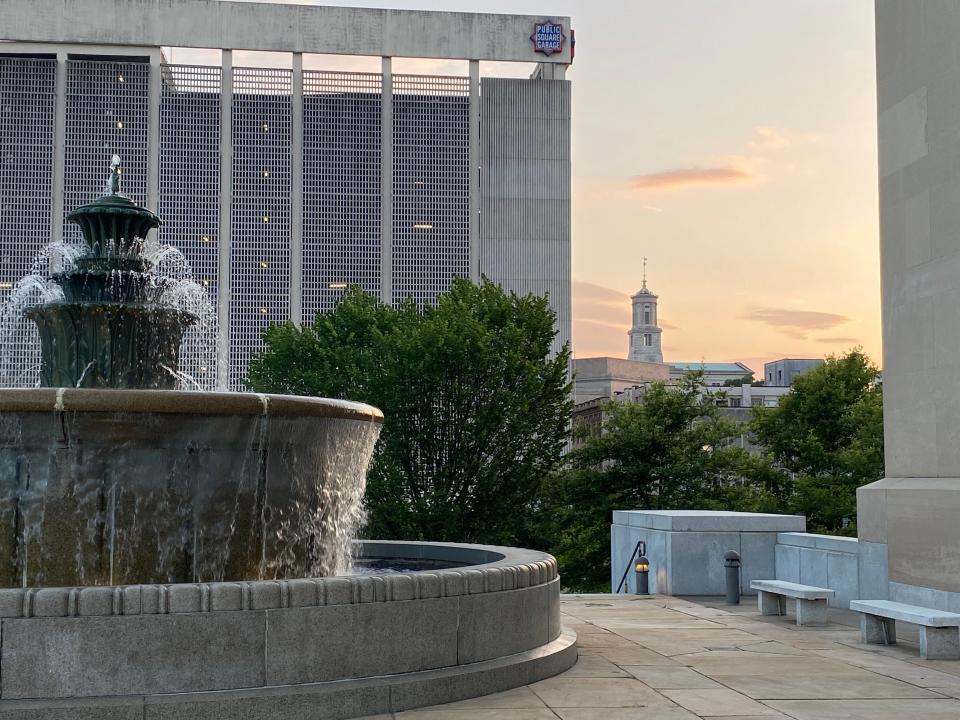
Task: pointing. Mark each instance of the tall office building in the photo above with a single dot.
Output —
(283, 186)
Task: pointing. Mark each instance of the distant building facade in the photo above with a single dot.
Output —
(783, 371)
(714, 374)
(604, 377)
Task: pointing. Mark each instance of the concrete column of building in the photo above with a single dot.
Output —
(386, 183)
(153, 134)
(296, 194)
(475, 170)
(226, 211)
(907, 522)
(59, 149)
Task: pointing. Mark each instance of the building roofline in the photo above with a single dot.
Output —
(234, 25)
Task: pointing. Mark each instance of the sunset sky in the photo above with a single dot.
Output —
(734, 145)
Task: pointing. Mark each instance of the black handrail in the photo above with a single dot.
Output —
(639, 551)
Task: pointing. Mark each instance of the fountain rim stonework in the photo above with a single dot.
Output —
(182, 402)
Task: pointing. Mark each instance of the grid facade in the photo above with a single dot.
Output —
(260, 247)
(524, 197)
(431, 185)
(27, 100)
(341, 186)
(190, 198)
(108, 111)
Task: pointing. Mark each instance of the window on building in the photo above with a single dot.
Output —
(734, 402)
(756, 401)
(779, 377)
(647, 339)
(646, 314)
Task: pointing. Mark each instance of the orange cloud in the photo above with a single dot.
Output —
(796, 323)
(683, 178)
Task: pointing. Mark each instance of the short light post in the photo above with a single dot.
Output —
(731, 562)
(642, 568)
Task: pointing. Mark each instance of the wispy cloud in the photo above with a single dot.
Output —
(796, 323)
(651, 208)
(769, 138)
(690, 177)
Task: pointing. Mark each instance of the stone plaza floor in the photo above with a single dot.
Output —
(664, 658)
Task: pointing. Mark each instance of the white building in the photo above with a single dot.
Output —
(714, 374)
(284, 185)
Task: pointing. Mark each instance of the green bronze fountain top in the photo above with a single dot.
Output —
(113, 225)
(111, 329)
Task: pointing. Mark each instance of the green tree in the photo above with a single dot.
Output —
(827, 436)
(674, 449)
(476, 408)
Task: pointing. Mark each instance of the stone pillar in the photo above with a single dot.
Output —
(296, 193)
(59, 151)
(475, 170)
(226, 213)
(910, 517)
(386, 183)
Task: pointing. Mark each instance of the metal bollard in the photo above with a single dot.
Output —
(731, 561)
(642, 568)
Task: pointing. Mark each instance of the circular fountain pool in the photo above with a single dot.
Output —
(332, 647)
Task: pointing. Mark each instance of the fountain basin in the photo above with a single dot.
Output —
(120, 487)
(317, 648)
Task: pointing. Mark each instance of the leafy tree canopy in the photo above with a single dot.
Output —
(476, 408)
(674, 449)
(827, 434)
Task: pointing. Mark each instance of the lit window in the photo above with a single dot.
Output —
(205, 238)
(264, 264)
(266, 218)
(6, 285)
(265, 127)
(337, 286)
(423, 226)
(119, 125)
(266, 173)
(263, 311)
(119, 78)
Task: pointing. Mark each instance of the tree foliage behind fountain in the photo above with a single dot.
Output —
(110, 331)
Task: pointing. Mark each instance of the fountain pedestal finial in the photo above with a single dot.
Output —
(113, 182)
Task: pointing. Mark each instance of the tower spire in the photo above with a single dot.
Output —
(644, 272)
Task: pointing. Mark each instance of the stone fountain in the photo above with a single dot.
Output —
(180, 554)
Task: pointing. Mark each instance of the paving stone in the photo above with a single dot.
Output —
(657, 713)
(850, 684)
(561, 692)
(476, 714)
(717, 702)
(521, 698)
(869, 709)
(670, 677)
(595, 666)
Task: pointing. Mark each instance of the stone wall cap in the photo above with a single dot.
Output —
(709, 521)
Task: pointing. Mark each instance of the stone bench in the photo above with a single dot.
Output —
(939, 630)
(811, 601)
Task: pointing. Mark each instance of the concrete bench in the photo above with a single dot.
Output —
(939, 630)
(811, 601)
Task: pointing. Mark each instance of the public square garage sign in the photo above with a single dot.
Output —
(548, 37)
